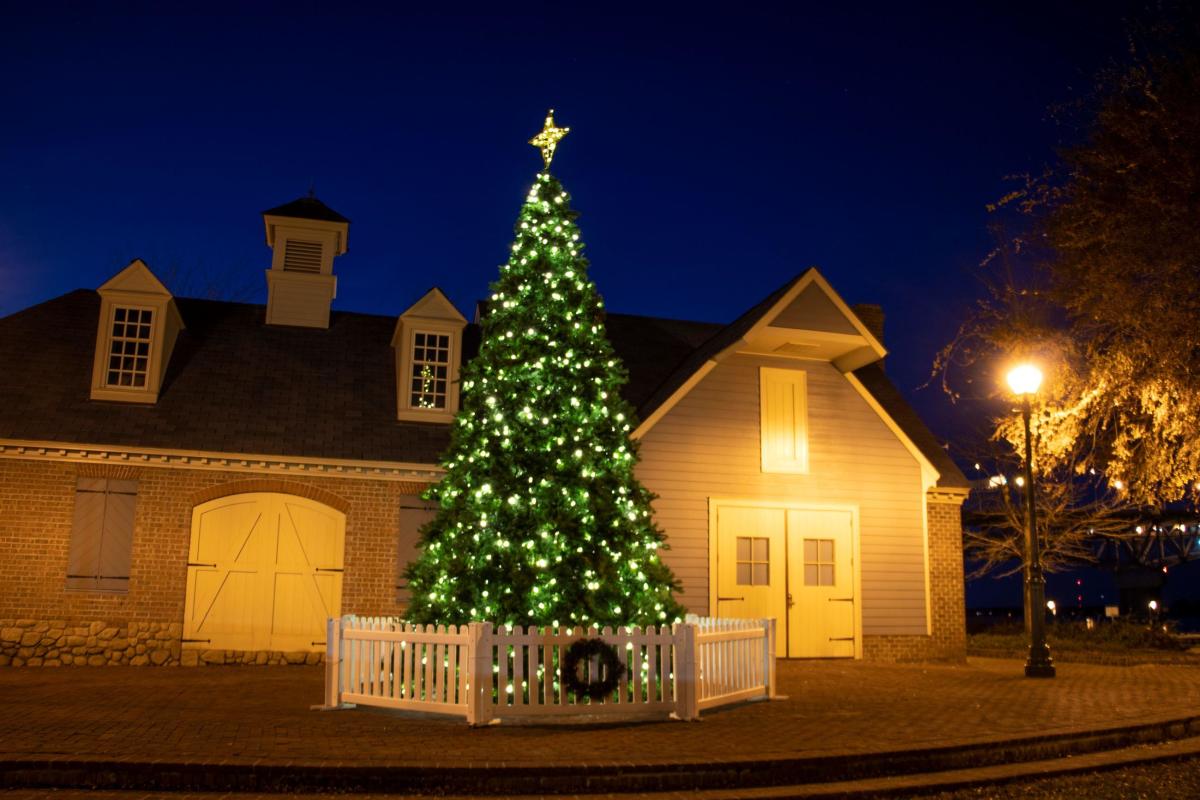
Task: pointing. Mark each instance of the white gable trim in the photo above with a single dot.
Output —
(135, 278)
(809, 278)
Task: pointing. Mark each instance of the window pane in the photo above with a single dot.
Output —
(743, 575)
(827, 574)
(762, 575)
(743, 548)
(760, 549)
(827, 550)
(810, 550)
(810, 575)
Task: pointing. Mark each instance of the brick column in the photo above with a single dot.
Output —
(947, 597)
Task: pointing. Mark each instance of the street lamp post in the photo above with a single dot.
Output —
(1024, 381)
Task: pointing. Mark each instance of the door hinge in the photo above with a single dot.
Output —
(841, 599)
(841, 638)
(720, 599)
(199, 564)
(206, 641)
(330, 569)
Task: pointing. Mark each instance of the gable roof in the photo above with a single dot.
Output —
(307, 207)
(236, 385)
(872, 376)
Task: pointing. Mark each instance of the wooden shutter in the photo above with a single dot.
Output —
(86, 531)
(783, 399)
(412, 519)
(102, 535)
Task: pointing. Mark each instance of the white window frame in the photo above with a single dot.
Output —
(111, 339)
(405, 409)
(413, 363)
(783, 431)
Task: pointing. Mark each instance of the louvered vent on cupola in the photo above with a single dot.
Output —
(301, 256)
(306, 236)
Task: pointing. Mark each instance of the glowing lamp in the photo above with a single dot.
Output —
(1024, 379)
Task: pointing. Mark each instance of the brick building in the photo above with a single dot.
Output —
(194, 481)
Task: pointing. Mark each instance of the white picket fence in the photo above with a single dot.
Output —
(484, 674)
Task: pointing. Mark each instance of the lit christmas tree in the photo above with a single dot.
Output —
(540, 518)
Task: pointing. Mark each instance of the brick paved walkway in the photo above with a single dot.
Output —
(261, 714)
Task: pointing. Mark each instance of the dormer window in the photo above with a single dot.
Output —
(129, 347)
(135, 335)
(430, 369)
(428, 347)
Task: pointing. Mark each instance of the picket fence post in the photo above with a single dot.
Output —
(333, 642)
(769, 645)
(687, 674)
(479, 664)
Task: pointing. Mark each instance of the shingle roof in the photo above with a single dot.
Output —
(237, 385)
(307, 207)
(233, 385)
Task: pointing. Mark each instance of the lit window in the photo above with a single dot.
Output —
(129, 348)
(430, 370)
(818, 562)
(753, 561)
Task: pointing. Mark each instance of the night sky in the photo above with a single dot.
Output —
(712, 157)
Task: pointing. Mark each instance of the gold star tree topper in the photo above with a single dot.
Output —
(549, 138)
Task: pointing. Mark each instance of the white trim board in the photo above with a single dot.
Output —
(230, 462)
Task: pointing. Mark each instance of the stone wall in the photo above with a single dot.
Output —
(59, 642)
(43, 622)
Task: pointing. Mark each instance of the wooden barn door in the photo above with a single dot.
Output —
(264, 573)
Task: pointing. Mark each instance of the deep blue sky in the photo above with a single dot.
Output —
(712, 156)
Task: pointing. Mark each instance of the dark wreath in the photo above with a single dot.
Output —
(610, 666)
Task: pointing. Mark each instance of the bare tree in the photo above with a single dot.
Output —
(1076, 510)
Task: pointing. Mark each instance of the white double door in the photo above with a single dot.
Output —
(795, 565)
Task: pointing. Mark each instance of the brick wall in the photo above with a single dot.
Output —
(948, 613)
(41, 622)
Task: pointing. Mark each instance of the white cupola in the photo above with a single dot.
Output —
(305, 235)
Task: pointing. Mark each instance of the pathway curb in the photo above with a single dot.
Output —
(483, 779)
